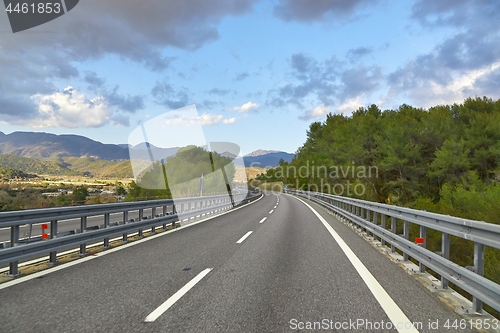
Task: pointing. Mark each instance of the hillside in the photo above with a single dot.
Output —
(34, 166)
(50, 146)
(67, 166)
(8, 173)
(99, 168)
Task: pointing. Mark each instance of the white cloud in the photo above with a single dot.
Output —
(246, 107)
(349, 106)
(428, 93)
(320, 111)
(210, 119)
(317, 112)
(205, 119)
(70, 109)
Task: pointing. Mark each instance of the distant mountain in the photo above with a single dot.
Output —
(50, 146)
(266, 160)
(142, 152)
(47, 146)
(77, 155)
(261, 152)
(229, 155)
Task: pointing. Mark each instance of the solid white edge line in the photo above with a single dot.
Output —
(121, 247)
(175, 297)
(262, 221)
(393, 311)
(244, 237)
(272, 210)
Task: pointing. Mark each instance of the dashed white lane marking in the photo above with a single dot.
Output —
(244, 237)
(262, 221)
(272, 210)
(175, 297)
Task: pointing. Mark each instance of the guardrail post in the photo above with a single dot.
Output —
(106, 225)
(153, 215)
(14, 241)
(445, 252)
(367, 218)
(83, 226)
(382, 224)
(406, 235)
(477, 304)
(174, 211)
(164, 214)
(141, 216)
(423, 234)
(375, 221)
(393, 230)
(362, 215)
(53, 234)
(125, 221)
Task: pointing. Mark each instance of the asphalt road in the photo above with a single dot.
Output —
(245, 273)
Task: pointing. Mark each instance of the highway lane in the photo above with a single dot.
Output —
(287, 271)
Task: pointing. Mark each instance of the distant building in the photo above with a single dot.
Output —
(51, 194)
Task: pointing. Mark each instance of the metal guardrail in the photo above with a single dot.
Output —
(172, 211)
(471, 278)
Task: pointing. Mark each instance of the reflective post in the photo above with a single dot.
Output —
(125, 220)
(14, 241)
(83, 227)
(106, 225)
(53, 234)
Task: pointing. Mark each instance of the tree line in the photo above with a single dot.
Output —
(188, 173)
(445, 159)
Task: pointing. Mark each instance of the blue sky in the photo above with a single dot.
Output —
(259, 72)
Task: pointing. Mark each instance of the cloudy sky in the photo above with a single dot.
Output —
(259, 72)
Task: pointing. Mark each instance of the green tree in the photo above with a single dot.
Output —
(79, 195)
(451, 162)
